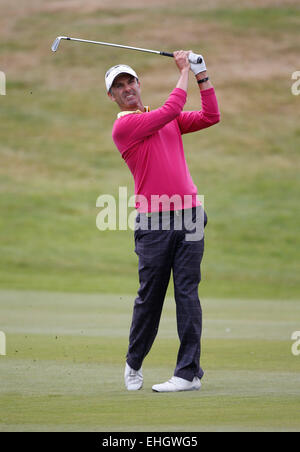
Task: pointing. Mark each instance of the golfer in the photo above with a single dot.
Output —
(150, 142)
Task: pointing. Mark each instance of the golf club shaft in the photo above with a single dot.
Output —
(118, 45)
(58, 39)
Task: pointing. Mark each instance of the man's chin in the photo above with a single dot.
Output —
(131, 105)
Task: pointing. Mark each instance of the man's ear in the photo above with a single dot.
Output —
(110, 95)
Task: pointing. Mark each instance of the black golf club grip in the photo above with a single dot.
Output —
(167, 54)
(199, 60)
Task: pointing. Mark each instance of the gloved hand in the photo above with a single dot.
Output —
(196, 67)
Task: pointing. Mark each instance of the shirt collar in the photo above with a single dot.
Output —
(124, 113)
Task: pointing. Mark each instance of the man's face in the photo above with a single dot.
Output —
(126, 92)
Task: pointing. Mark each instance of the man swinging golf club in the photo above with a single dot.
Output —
(150, 142)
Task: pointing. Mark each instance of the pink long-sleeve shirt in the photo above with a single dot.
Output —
(151, 145)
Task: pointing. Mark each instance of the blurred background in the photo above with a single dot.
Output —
(57, 154)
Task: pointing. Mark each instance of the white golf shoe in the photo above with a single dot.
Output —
(133, 378)
(176, 384)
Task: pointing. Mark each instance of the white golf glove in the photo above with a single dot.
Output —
(196, 67)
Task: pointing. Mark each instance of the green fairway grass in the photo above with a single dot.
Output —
(67, 289)
(65, 360)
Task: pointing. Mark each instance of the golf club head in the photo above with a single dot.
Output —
(57, 42)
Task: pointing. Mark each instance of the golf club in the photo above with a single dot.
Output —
(193, 58)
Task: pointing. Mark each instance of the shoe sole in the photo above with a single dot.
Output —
(138, 389)
(179, 390)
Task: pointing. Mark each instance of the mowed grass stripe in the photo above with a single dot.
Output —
(137, 411)
(55, 378)
(216, 353)
(109, 315)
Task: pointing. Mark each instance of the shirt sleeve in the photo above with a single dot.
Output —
(192, 121)
(132, 128)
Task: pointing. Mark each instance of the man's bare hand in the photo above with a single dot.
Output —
(182, 60)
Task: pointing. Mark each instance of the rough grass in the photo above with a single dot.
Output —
(57, 155)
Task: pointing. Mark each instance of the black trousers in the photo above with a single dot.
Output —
(161, 251)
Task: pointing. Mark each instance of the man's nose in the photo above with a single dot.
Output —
(127, 88)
